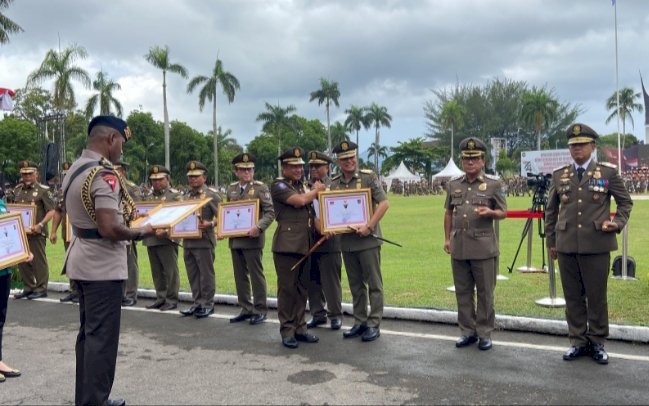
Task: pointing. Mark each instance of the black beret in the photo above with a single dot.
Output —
(195, 168)
(318, 158)
(292, 156)
(112, 122)
(345, 149)
(472, 147)
(244, 160)
(580, 134)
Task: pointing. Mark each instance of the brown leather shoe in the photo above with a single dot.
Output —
(155, 305)
(168, 306)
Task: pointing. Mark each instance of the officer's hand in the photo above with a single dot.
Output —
(484, 211)
(610, 226)
(363, 230)
(148, 230)
(319, 186)
(162, 232)
(253, 232)
(219, 237)
(30, 258)
(53, 238)
(553, 252)
(447, 246)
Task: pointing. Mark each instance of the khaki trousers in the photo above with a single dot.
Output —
(200, 272)
(35, 274)
(366, 284)
(164, 271)
(132, 283)
(250, 280)
(478, 274)
(291, 294)
(324, 286)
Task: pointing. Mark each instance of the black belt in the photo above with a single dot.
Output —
(87, 233)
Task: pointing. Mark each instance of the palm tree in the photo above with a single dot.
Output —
(59, 66)
(105, 87)
(159, 57)
(378, 117)
(275, 118)
(327, 94)
(7, 26)
(229, 83)
(339, 133)
(539, 109)
(627, 107)
(355, 121)
(377, 151)
(225, 141)
(451, 118)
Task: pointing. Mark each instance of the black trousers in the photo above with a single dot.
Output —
(100, 306)
(5, 286)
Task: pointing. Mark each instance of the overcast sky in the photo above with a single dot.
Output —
(389, 52)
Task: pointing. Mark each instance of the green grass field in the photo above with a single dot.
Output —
(418, 274)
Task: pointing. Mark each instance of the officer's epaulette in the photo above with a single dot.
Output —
(213, 190)
(456, 177)
(130, 183)
(43, 186)
(172, 190)
(560, 168)
(19, 186)
(367, 171)
(492, 177)
(257, 182)
(279, 178)
(608, 165)
(337, 176)
(234, 183)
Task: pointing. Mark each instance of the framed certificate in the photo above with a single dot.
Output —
(145, 206)
(340, 209)
(167, 215)
(14, 248)
(187, 228)
(236, 218)
(27, 212)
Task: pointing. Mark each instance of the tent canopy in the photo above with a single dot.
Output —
(449, 171)
(402, 173)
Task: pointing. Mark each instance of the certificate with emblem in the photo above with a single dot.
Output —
(27, 212)
(236, 218)
(13, 240)
(167, 215)
(187, 228)
(342, 209)
(144, 207)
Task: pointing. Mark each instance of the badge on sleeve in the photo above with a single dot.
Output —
(111, 180)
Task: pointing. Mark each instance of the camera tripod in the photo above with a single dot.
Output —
(539, 201)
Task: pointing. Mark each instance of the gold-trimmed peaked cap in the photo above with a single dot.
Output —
(158, 172)
(292, 156)
(318, 158)
(195, 168)
(112, 122)
(472, 147)
(244, 160)
(345, 149)
(580, 134)
(27, 166)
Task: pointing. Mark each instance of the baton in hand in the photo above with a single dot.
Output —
(380, 238)
(308, 254)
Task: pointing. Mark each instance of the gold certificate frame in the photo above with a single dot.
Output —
(187, 228)
(144, 207)
(14, 248)
(27, 212)
(167, 215)
(342, 209)
(236, 218)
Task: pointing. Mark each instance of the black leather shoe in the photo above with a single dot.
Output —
(465, 341)
(155, 305)
(168, 306)
(289, 342)
(36, 295)
(576, 352)
(355, 331)
(599, 354)
(115, 402)
(190, 310)
(485, 343)
(257, 319)
(313, 323)
(203, 312)
(22, 294)
(307, 338)
(127, 301)
(336, 324)
(69, 298)
(371, 334)
(14, 373)
(240, 317)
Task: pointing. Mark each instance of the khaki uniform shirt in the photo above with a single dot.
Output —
(472, 236)
(167, 195)
(93, 259)
(362, 179)
(40, 196)
(253, 190)
(293, 233)
(576, 209)
(208, 213)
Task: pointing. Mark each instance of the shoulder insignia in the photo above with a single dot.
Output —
(492, 177)
(18, 187)
(608, 165)
(561, 167)
(367, 171)
(458, 177)
(130, 183)
(213, 190)
(234, 183)
(336, 177)
(173, 190)
(44, 186)
(279, 178)
(111, 179)
(258, 182)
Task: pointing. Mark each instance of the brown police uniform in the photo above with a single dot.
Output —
(292, 240)
(574, 215)
(199, 253)
(362, 255)
(325, 288)
(163, 253)
(35, 274)
(474, 246)
(247, 251)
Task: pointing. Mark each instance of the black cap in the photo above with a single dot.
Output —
(345, 149)
(318, 158)
(472, 147)
(195, 168)
(244, 160)
(27, 166)
(158, 172)
(112, 122)
(580, 134)
(292, 156)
